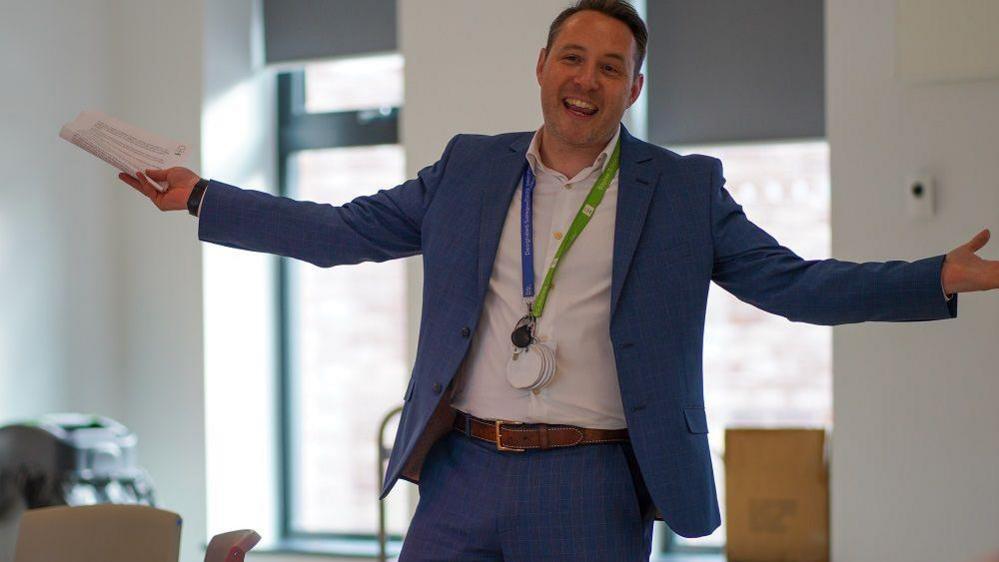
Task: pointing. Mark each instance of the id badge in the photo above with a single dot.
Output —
(531, 367)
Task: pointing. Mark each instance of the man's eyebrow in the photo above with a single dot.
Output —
(573, 46)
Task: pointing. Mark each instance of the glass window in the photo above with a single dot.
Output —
(355, 83)
(344, 329)
(347, 351)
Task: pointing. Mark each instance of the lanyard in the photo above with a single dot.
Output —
(593, 199)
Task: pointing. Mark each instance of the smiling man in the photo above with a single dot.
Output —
(589, 75)
(546, 423)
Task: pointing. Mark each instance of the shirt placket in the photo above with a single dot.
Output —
(567, 203)
(555, 233)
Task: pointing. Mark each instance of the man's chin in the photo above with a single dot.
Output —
(578, 136)
(587, 139)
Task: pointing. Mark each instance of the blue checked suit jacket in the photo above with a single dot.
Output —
(677, 229)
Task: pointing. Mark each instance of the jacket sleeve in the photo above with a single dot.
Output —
(753, 266)
(376, 227)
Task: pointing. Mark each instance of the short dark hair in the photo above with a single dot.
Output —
(618, 9)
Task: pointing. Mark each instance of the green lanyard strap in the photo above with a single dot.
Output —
(593, 199)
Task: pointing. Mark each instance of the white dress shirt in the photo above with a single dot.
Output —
(576, 319)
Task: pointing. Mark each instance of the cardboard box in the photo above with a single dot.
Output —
(777, 495)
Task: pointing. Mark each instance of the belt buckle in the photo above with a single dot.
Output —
(499, 443)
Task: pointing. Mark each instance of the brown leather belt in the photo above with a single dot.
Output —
(520, 437)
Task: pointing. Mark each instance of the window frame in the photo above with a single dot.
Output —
(297, 130)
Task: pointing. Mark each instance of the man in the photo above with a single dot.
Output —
(551, 416)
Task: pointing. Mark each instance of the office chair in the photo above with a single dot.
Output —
(98, 533)
(116, 533)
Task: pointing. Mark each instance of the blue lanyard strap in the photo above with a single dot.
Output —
(527, 233)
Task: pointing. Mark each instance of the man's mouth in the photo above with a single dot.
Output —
(579, 107)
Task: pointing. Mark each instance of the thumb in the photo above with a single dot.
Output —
(156, 175)
(979, 241)
(148, 182)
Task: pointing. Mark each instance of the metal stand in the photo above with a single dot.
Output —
(384, 452)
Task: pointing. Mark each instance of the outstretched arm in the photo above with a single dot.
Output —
(378, 227)
(753, 266)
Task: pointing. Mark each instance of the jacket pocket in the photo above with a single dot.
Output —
(697, 420)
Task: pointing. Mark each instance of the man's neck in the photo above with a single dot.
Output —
(565, 159)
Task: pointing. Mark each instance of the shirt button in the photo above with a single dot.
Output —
(465, 332)
(437, 388)
(568, 186)
(536, 391)
(557, 235)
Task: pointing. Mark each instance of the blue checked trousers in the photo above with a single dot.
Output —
(578, 504)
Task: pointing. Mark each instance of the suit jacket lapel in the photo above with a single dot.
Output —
(499, 184)
(636, 182)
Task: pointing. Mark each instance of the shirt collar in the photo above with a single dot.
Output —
(537, 166)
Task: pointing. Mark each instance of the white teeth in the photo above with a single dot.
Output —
(579, 103)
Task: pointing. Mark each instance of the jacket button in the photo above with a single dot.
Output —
(466, 331)
(437, 388)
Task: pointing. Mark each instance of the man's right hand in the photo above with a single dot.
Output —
(180, 182)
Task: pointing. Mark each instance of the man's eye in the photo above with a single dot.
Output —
(571, 58)
(610, 69)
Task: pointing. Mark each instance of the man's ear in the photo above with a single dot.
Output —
(636, 88)
(542, 55)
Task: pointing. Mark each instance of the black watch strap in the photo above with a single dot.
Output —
(194, 199)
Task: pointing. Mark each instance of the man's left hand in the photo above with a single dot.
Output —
(963, 271)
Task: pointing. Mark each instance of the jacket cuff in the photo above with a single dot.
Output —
(946, 306)
(212, 211)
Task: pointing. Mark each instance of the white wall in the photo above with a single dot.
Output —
(57, 344)
(239, 287)
(914, 454)
(157, 78)
(469, 69)
(57, 279)
(101, 295)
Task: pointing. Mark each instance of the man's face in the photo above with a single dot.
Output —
(588, 79)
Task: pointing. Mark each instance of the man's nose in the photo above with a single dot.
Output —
(586, 77)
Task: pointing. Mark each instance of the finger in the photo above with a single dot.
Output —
(979, 241)
(129, 180)
(158, 175)
(146, 187)
(136, 184)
